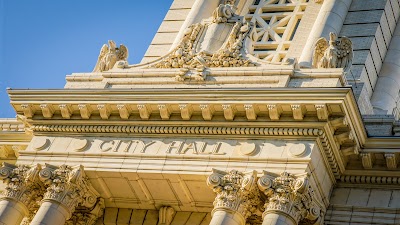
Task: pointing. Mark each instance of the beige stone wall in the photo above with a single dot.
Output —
(168, 30)
(363, 206)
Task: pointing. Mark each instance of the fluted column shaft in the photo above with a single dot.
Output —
(12, 212)
(330, 19)
(51, 213)
(224, 217)
(275, 218)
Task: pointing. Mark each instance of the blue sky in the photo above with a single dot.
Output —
(41, 41)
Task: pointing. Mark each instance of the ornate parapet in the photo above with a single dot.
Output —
(290, 195)
(22, 184)
(68, 186)
(236, 192)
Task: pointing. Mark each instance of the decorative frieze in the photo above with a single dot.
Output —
(22, 183)
(235, 191)
(68, 186)
(290, 195)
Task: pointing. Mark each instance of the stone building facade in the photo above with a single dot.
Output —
(240, 113)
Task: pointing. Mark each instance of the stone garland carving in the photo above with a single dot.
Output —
(235, 191)
(110, 55)
(337, 53)
(290, 195)
(196, 52)
(69, 186)
(22, 184)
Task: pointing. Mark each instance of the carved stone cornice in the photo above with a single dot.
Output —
(236, 192)
(22, 183)
(68, 186)
(290, 195)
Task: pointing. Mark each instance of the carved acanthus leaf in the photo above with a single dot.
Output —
(235, 191)
(69, 186)
(289, 195)
(22, 183)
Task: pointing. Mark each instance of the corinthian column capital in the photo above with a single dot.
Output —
(290, 195)
(236, 192)
(22, 183)
(68, 186)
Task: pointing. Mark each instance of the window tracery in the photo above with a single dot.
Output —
(275, 22)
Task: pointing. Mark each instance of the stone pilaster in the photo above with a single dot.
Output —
(237, 196)
(290, 197)
(22, 192)
(67, 188)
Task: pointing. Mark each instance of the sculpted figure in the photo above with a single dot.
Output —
(337, 53)
(109, 55)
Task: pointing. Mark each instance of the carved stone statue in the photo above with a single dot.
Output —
(337, 53)
(109, 55)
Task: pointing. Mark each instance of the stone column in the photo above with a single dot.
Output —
(386, 95)
(330, 19)
(201, 9)
(67, 188)
(237, 197)
(290, 199)
(23, 189)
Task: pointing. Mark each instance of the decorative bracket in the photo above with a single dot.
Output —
(186, 111)
(85, 110)
(144, 111)
(229, 111)
(251, 111)
(124, 111)
(104, 110)
(275, 111)
(66, 110)
(207, 111)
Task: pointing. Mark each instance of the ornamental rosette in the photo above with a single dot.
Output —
(22, 183)
(235, 191)
(69, 186)
(291, 195)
